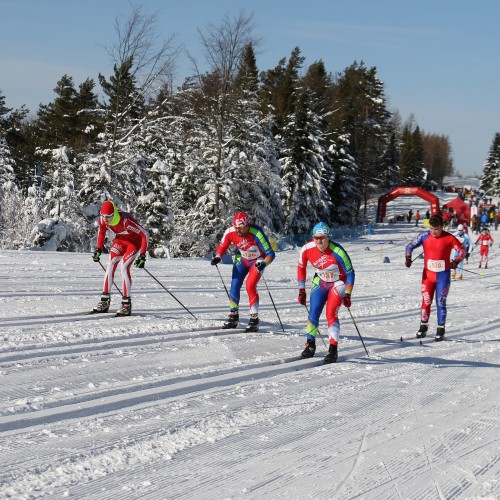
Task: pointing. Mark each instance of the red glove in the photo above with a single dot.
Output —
(347, 300)
(302, 296)
(453, 264)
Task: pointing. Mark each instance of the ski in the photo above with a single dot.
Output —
(423, 340)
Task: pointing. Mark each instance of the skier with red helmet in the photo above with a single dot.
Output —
(130, 240)
(332, 285)
(254, 253)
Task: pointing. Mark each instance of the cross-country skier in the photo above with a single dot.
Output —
(461, 236)
(485, 241)
(130, 239)
(437, 244)
(254, 253)
(332, 285)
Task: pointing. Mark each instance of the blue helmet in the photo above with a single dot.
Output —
(321, 228)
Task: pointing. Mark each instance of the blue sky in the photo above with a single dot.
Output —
(439, 60)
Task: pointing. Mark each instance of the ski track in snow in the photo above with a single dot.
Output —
(161, 406)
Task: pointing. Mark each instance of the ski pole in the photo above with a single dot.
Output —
(225, 288)
(357, 329)
(116, 286)
(171, 294)
(419, 255)
(472, 272)
(319, 333)
(271, 297)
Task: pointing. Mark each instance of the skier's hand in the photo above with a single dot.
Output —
(347, 300)
(453, 264)
(96, 257)
(467, 256)
(408, 261)
(140, 261)
(215, 260)
(260, 266)
(302, 296)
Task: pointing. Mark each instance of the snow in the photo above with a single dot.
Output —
(160, 406)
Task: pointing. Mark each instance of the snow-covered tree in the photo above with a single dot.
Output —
(490, 180)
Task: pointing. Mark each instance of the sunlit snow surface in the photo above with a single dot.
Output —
(160, 406)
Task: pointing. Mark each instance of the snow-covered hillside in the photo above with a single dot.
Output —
(160, 406)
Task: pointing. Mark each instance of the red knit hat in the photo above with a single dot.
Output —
(107, 208)
(240, 219)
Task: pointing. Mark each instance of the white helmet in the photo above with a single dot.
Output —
(460, 227)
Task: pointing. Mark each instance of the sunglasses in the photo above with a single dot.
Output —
(106, 216)
(319, 238)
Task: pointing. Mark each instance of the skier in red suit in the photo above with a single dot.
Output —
(332, 285)
(485, 241)
(131, 239)
(253, 254)
(437, 244)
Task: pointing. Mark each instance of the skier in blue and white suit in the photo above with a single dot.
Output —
(461, 236)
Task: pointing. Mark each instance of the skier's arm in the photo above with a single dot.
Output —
(263, 243)
(224, 243)
(302, 268)
(345, 263)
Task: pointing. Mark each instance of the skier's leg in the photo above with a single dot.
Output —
(131, 251)
(240, 270)
(428, 288)
(115, 255)
(319, 294)
(251, 287)
(442, 290)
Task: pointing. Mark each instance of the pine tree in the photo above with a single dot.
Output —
(490, 180)
(303, 163)
(412, 157)
(361, 112)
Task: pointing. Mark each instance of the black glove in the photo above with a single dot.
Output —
(467, 256)
(302, 296)
(215, 260)
(408, 262)
(140, 261)
(260, 266)
(97, 255)
(347, 300)
(453, 264)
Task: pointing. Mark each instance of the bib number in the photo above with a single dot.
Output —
(435, 265)
(329, 275)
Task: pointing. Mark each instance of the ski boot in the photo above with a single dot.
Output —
(253, 325)
(332, 355)
(422, 331)
(439, 333)
(486, 266)
(453, 275)
(126, 308)
(459, 277)
(310, 349)
(232, 321)
(103, 305)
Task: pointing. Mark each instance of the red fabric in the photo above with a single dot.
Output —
(107, 208)
(128, 229)
(240, 219)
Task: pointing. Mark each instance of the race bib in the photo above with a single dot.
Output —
(250, 254)
(435, 265)
(485, 242)
(329, 274)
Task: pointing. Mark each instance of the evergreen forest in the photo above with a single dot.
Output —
(291, 145)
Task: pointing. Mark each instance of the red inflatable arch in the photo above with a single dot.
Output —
(406, 191)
